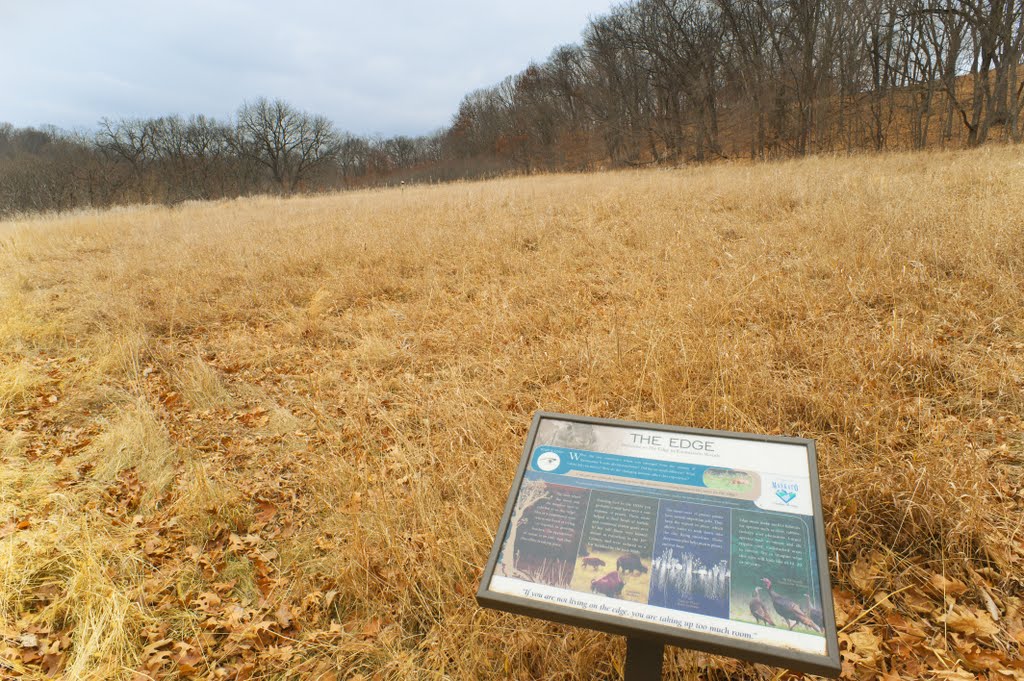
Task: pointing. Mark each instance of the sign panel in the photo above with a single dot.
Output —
(703, 539)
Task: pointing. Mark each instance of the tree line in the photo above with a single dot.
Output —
(652, 81)
(689, 80)
(269, 146)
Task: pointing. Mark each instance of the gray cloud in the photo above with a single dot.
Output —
(395, 68)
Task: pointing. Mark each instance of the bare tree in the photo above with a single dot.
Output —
(291, 144)
(531, 492)
(129, 139)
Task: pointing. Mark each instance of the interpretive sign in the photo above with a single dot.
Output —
(702, 539)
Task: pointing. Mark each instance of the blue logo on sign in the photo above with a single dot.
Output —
(785, 495)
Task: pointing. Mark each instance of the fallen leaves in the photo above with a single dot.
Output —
(284, 616)
(206, 602)
(35, 647)
(166, 654)
(864, 646)
(265, 512)
(936, 626)
(14, 525)
(867, 571)
(971, 622)
(943, 586)
(253, 418)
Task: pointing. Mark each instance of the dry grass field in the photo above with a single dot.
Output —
(272, 438)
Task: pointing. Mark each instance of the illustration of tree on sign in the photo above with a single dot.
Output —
(530, 493)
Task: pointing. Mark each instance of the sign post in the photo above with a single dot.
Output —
(644, 659)
(707, 540)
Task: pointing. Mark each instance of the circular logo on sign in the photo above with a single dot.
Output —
(548, 461)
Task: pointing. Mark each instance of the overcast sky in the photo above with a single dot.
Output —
(398, 67)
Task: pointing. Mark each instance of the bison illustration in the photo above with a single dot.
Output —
(610, 585)
(593, 562)
(630, 562)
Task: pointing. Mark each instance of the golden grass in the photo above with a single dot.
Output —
(279, 433)
(133, 440)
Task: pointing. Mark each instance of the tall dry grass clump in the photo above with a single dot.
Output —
(273, 438)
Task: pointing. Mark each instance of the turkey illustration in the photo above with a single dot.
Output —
(814, 613)
(759, 610)
(788, 609)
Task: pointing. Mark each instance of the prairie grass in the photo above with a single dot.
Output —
(272, 438)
